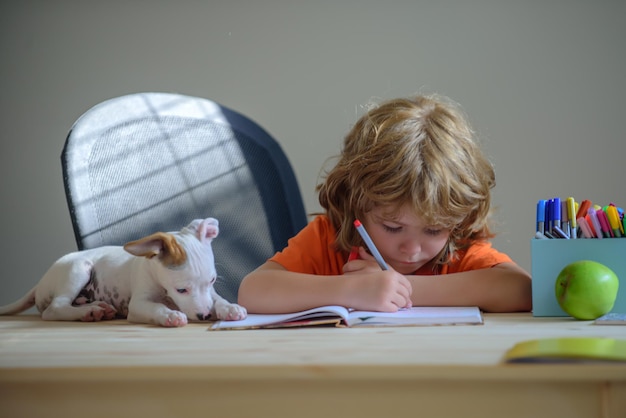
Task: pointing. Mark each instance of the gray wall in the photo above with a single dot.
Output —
(542, 81)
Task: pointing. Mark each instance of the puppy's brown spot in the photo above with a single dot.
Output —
(160, 244)
(173, 253)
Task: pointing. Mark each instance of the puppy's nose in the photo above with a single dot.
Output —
(203, 317)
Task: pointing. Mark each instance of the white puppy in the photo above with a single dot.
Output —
(164, 279)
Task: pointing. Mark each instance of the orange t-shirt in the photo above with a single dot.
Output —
(313, 251)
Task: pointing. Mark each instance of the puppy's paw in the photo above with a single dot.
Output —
(97, 311)
(109, 311)
(173, 319)
(231, 312)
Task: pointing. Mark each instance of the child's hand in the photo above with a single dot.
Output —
(361, 261)
(374, 289)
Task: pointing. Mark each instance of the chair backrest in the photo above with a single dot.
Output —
(149, 162)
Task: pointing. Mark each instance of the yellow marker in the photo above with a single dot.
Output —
(571, 215)
(613, 216)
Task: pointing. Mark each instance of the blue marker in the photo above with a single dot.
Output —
(548, 217)
(541, 216)
(370, 244)
(556, 213)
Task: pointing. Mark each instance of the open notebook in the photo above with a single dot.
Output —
(343, 317)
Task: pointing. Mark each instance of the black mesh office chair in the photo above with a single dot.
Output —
(148, 162)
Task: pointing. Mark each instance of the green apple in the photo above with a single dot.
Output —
(586, 289)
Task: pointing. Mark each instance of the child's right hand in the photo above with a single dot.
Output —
(374, 289)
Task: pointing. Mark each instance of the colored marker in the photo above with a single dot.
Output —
(564, 218)
(604, 223)
(541, 216)
(559, 232)
(595, 223)
(556, 213)
(613, 216)
(583, 208)
(370, 244)
(571, 214)
(584, 226)
(619, 215)
(590, 226)
(548, 217)
(618, 210)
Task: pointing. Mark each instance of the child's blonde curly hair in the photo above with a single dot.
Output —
(419, 151)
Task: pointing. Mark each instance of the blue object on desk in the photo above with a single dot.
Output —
(556, 212)
(541, 215)
(550, 256)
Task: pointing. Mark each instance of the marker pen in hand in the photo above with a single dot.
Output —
(370, 244)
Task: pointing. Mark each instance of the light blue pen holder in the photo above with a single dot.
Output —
(550, 256)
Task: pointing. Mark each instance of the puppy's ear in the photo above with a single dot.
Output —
(204, 229)
(160, 244)
(207, 229)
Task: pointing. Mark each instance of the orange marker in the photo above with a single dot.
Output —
(583, 209)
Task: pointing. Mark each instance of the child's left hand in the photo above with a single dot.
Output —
(360, 259)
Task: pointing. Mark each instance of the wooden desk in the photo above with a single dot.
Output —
(112, 369)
